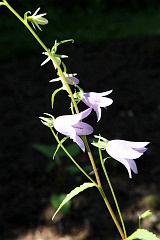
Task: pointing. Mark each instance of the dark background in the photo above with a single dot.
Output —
(125, 58)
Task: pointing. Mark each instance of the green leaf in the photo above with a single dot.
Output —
(58, 146)
(73, 193)
(142, 234)
(54, 94)
(50, 151)
(56, 199)
(74, 170)
(47, 150)
(73, 149)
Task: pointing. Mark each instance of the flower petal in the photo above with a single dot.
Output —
(83, 128)
(132, 165)
(105, 102)
(98, 111)
(64, 129)
(125, 162)
(79, 142)
(105, 93)
(73, 119)
(72, 80)
(137, 144)
(96, 100)
(121, 149)
(125, 151)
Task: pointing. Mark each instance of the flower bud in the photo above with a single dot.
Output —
(146, 214)
(37, 20)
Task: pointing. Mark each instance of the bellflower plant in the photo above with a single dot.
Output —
(71, 126)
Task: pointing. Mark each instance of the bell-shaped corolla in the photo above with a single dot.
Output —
(96, 101)
(73, 127)
(125, 151)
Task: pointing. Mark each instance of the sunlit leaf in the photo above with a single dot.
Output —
(142, 234)
(56, 199)
(73, 193)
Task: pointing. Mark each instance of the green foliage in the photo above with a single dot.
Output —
(142, 234)
(56, 199)
(49, 150)
(73, 193)
(55, 152)
(93, 27)
(46, 150)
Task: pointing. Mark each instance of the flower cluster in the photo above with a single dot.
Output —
(72, 125)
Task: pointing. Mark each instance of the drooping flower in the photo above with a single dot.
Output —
(73, 127)
(96, 101)
(37, 19)
(125, 151)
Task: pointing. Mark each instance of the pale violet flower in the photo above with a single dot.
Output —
(37, 19)
(125, 151)
(71, 79)
(73, 127)
(96, 101)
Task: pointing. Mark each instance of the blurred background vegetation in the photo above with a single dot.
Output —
(86, 21)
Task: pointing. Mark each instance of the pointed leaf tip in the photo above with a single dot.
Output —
(73, 193)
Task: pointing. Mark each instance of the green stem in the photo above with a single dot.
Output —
(92, 161)
(112, 191)
(72, 159)
(47, 50)
(139, 222)
(111, 212)
(60, 74)
(101, 189)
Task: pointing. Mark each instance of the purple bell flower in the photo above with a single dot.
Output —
(72, 126)
(125, 151)
(96, 101)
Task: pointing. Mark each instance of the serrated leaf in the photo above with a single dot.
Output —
(143, 234)
(73, 193)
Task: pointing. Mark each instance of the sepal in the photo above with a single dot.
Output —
(47, 121)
